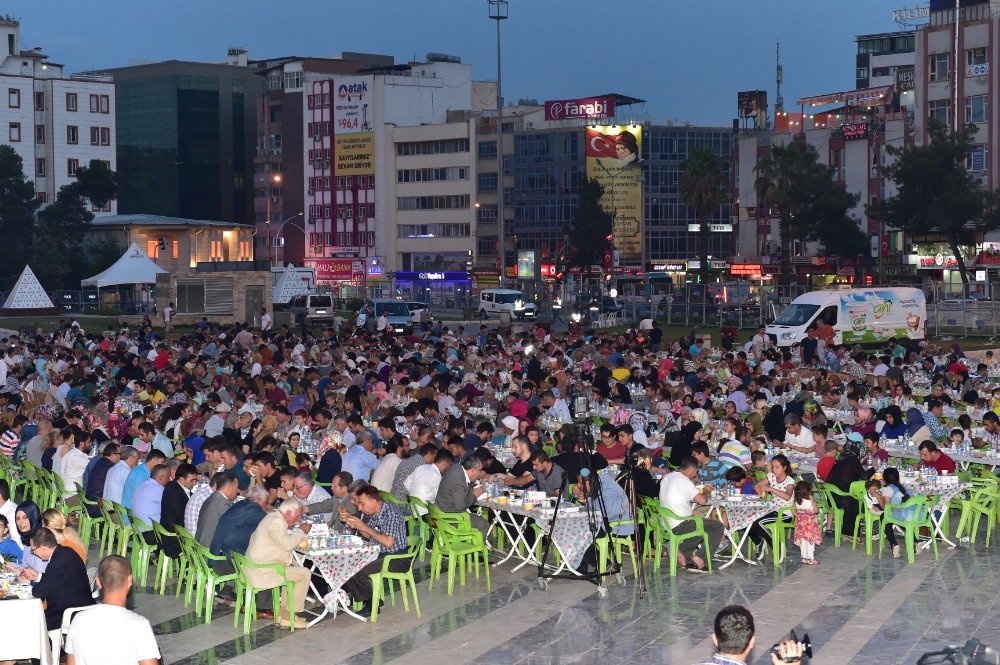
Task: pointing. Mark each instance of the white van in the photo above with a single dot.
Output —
(858, 316)
(396, 313)
(494, 301)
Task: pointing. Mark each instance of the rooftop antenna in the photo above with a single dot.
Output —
(779, 101)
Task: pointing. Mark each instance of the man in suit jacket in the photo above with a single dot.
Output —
(175, 498)
(456, 493)
(272, 542)
(226, 489)
(64, 583)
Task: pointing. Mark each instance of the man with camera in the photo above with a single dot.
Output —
(734, 639)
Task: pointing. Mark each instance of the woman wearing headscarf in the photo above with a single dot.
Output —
(774, 424)
(916, 429)
(863, 421)
(27, 520)
(755, 421)
(681, 446)
(846, 470)
(893, 426)
(812, 414)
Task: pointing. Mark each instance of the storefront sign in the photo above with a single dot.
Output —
(905, 78)
(329, 271)
(854, 131)
(595, 108)
(714, 228)
(937, 262)
(751, 270)
(409, 276)
(668, 267)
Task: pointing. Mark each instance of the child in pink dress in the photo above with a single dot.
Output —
(807, 532)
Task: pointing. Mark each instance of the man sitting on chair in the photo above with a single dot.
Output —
(272, 542)
(383, 523)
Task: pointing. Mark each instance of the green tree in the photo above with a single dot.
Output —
(704, 188)
(811, 206)
(102, 254)
(936, 194)
(61, 226)
(17, 215)
(592, 225)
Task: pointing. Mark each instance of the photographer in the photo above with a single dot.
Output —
(734, 639)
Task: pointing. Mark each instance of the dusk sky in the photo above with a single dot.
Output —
(687, 59)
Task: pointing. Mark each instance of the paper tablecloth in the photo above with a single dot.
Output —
(742, 514)
(339, 565)
(24, 635)
(571, 531)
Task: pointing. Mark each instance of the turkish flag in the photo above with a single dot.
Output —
(600, 145)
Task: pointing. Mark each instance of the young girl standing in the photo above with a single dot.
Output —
(807, 532)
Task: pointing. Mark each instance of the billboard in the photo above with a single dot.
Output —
(354, 153)
(352, 104)
(594, 108)
(613, 160)
(331, 271)
(752, 105)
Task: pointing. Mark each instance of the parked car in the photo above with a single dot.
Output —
(416, 310)
(313, 308)
(495, 301)
(396, 311)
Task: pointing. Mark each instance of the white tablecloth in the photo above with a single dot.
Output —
(24, 634)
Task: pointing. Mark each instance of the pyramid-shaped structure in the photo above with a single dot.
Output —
(28, 293)
(290, 284)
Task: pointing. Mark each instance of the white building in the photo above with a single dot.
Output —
(349, 122)
(55, 123)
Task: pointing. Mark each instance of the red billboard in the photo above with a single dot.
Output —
(329, 271)
(595, 108)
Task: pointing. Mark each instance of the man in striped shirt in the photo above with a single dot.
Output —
(11, 439)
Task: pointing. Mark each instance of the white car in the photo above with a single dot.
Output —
(494, 301)
(416, 310)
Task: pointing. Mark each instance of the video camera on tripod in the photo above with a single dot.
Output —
(973, 653)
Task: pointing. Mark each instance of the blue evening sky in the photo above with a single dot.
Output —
(688, 59)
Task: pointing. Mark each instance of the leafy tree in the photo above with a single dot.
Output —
(102, 254)
(811, 206)
(592, 225)
(17, 215)
(704, 187)
(936, 194)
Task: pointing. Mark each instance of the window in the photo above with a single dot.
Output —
(152, 249)
(39, 133)
(39, 101)
(486, 245)
(71, 166)
(105, 104)
(939, 67)
(13, 98)
(443, 146)
(486, 182)
(71, 134)
(216, 249)
(486, 213)
(939, 109)
(486, 149)
(293, 80)
(976, 108)
(454, 202)
(883, 71)
(95, 136)
(434, 230)
(41, 197)
(105, 136)
(175, 249)
(15, 132)
(40, 167)
(71, 101)
(975, 56)
(976, 161)
(862, 73)
(95, 104)
(433, 175)
(191, 296)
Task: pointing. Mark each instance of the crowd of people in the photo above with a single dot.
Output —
(235, 434)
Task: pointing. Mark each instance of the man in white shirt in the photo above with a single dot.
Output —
(385, 472)
(795, 434)
(306, 490)
(423, 482)
(265, 320)
(8, 508)
(74, 463)
(114, 484)
(556, 407)
(109, 634)
(677, 494)
(217, 422)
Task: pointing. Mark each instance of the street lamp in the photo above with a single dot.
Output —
(275, 180)
(277, 234)
(498, 12)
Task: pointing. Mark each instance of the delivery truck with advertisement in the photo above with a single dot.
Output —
(858, 316)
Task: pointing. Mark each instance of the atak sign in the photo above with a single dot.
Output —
(597, 108)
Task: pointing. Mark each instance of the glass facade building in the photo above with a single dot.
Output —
(186, 136)
(550, 165)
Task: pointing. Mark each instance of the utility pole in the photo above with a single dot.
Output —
(498, 12)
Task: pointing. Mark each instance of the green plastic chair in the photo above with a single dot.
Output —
(246, 592)
(838, 517)
(921, 519)
(663, 532)
(142, 551)
(617, 544)
(418, 508)
(90, 526)
(871, 521)
(207, 579)
(166, 565)
(779, 530)
(187, 579)
(124, 527)
(386, 576)
(456, 540)
(983, 501)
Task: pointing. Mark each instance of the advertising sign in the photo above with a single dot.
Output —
(594, 108)
(355, 153)
(352, 104)
(937, 262)
(875, 316)
(905, 78)
(526, 264)
(854, 131)
(330, 271)
(613, 155)
(753, 105)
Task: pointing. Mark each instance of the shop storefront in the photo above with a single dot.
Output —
(450, 290)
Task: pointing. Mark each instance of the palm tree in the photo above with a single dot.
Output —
(775, 185)
(704, 187)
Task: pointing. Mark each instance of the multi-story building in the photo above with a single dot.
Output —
(882, 56)
(186, 137)
(348, 124)
(55, 123)
(279, 159)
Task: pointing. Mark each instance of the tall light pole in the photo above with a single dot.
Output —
(498, 12)
(277, 234)
(274, 180)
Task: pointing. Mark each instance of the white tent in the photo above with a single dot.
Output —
(28, 293)
(290, 284)
(134, 267)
